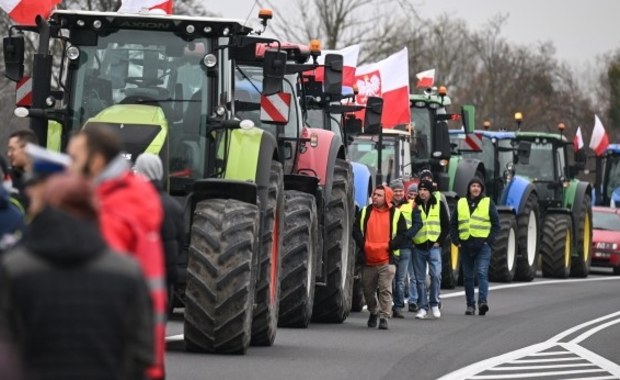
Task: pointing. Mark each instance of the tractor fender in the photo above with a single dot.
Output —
(466, 170)
(452, 169)
(362, 180)
(319, 161)
(502, 209)
(516, 193)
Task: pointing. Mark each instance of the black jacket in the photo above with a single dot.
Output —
(474, 243)
(172, 233)
(444, 220)
(399, 241)
(72, 307)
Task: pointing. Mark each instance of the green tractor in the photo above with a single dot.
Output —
(167, 83)
(564, 202)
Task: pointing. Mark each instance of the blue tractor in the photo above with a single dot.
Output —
(606, 190)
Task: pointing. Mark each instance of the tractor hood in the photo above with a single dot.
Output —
(142, 128)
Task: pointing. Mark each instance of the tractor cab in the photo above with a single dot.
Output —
(608, 177)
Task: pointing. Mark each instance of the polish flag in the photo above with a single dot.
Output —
(578, 140)
(599, 140)
(349, 59)
(131, 6)
(426, 79)
(388, 79)
(24, 12)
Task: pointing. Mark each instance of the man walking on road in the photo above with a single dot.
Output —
(412, 193)
(380, 230)
(404, 261)
(130, 216)
(473, 228)
(427, 246)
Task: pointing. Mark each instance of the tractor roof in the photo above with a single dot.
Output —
(446, 101)
(544, 135)
(613, 148)
(202, 26)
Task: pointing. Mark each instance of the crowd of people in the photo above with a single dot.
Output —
(401, 234)
(88, 246)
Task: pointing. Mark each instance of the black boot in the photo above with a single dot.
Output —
(372, 320)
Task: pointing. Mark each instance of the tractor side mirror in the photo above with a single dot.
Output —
(13, 48)
(372, 120)
(332, 82)
(274, 67)
(468, 116)
(523, 152)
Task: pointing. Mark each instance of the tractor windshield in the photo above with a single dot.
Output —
(248, 88)
(613, 173)
(364, 150)
(157, 69)
(541, 163)
(422, 120)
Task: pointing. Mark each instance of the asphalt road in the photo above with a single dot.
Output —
(527, 322)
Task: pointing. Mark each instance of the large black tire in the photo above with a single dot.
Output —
(267, 298)
(332, 301)
(556, 245)
(580, 264)
(299, 250)
(528, 240)
(450, 255)
(359, 301)
(504, 256)
(221, 276)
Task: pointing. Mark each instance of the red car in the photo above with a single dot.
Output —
(606, 238)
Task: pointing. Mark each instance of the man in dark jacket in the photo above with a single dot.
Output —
(172, 228)
(19, 160)
(473, 228)
(73, 308)
(427, 240)
(379, 230)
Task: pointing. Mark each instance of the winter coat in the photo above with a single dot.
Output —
(172, 232)
(73, 308)
(11, 221)
(390, 246)
(444, 220)
(474, 243)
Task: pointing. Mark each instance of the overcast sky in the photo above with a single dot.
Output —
(579, 29)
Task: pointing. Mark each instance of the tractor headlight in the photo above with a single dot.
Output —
(73, 53)
(210, 60)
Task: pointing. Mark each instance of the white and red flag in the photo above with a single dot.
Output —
(578, 140)
(24, 12)
(349, 63)
(138, 5)
(426, 79)
(599, 140)
(388, 79)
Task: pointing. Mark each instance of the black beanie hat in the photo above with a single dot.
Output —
(425, 184)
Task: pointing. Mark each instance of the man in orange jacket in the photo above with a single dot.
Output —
(379, 230)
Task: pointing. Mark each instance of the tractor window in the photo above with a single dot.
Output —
(365, 152)
(613, 173)
(421, 118)
(541, 163)
(157, 69)
(248, 87)
(504, 156)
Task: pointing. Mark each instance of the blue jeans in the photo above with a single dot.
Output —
(413, 286)
(433, 257)
(399, 279)
(476, 263)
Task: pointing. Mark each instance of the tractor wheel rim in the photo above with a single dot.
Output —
(587, 239)
(311, 255)
(532, 238)
(512, 249)
(567, 249)
(344, 251)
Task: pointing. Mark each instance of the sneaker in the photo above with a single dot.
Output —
(483, 308)
(436, 312)
(471, 310)
(396, 313)
(413, 307)
(383, 325)
(372, 320)
(421, 314)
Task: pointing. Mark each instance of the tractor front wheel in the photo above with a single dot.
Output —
(503, 259)
(557, 245)
(580, 265)
(528, 241)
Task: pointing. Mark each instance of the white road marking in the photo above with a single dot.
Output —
(555, 360)
(534, 374)
(517, 368)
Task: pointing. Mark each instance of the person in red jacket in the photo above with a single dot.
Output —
(130, 216)
(380, 229)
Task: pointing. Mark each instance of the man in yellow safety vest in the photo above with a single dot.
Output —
(474, 225)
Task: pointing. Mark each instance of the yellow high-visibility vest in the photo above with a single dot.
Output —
(397, 214)
(478, 224)
(431, 225)
(407, 210)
